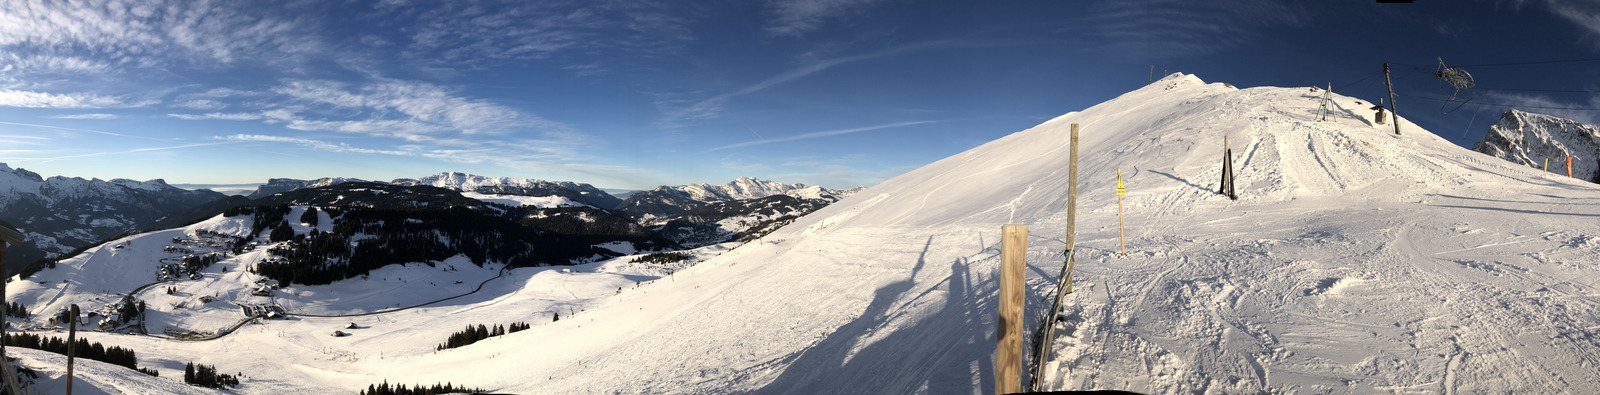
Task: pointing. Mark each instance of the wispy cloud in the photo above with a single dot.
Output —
(712, 107)
(1585, 14)
(426, 108)
(797, 17)
(310, 143)
(135, 150)
(85, 116)
(452, 35)
(813, 135)
(148, 33)
(31, 99)
(237, 116)
(200, 104)
(1177, 28)
(65, 129)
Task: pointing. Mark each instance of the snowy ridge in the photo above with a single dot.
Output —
(1355, 260)
(470, 182)
(281, 185)
(60, 213)
(579, 193)
(1530, 139)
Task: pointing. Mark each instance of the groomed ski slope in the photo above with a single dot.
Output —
(1354, 261)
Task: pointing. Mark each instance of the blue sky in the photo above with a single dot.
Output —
(633, 94)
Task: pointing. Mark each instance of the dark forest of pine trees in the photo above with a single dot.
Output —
(419, 389)
(113, 355)
(207, 376)
(472, 334)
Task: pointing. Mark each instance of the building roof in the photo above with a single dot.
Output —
(9, 234)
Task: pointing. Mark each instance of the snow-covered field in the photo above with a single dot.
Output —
(1354, 260)
(551, 201)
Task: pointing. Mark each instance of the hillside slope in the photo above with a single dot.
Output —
(1355, 261)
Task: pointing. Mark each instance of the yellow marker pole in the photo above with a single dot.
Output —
(1547, 164)
(1121, 234)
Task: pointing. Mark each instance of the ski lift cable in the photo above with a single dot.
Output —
(1542, 90)
(1369, 76)
(1532, 63)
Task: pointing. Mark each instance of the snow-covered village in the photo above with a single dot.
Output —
(799, 197)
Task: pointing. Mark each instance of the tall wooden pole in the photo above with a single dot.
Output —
(1390, 84)
(1008, 353)
(1072, 207)
(72, 342)
(1047, 326)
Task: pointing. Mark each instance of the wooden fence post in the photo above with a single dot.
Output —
(1008, 353)
(72, 341)
(1046, 334)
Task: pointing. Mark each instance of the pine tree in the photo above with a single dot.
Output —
(188, 373)
(557, 318)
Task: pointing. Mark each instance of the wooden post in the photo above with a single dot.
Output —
(1226, 189)
(1072, 207)
(1047, 325)
(1390, 84)
(72, 342)
(1008, 354)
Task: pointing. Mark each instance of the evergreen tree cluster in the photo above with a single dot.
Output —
(17, 309)
(261, 217)
(400, 389)
(472, 334)
(662, 258)
(207, 376)
(113, 355)
(194, 263)
(309, 217)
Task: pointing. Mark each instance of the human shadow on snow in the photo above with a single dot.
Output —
(946, 350)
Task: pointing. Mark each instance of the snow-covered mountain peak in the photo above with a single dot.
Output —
(741, 188)
(1530, 139)
(579, 193)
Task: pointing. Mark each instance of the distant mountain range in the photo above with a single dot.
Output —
(667, 201)
(59, 214)
(1531, 139)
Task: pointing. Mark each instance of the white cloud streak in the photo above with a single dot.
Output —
(218, 116)
(310, 143)
(32, 99)
(85, 116)
(798, 17)
(712, 107)
(813, 135)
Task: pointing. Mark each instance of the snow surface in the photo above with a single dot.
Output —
(1354, 260)
(551, 201)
